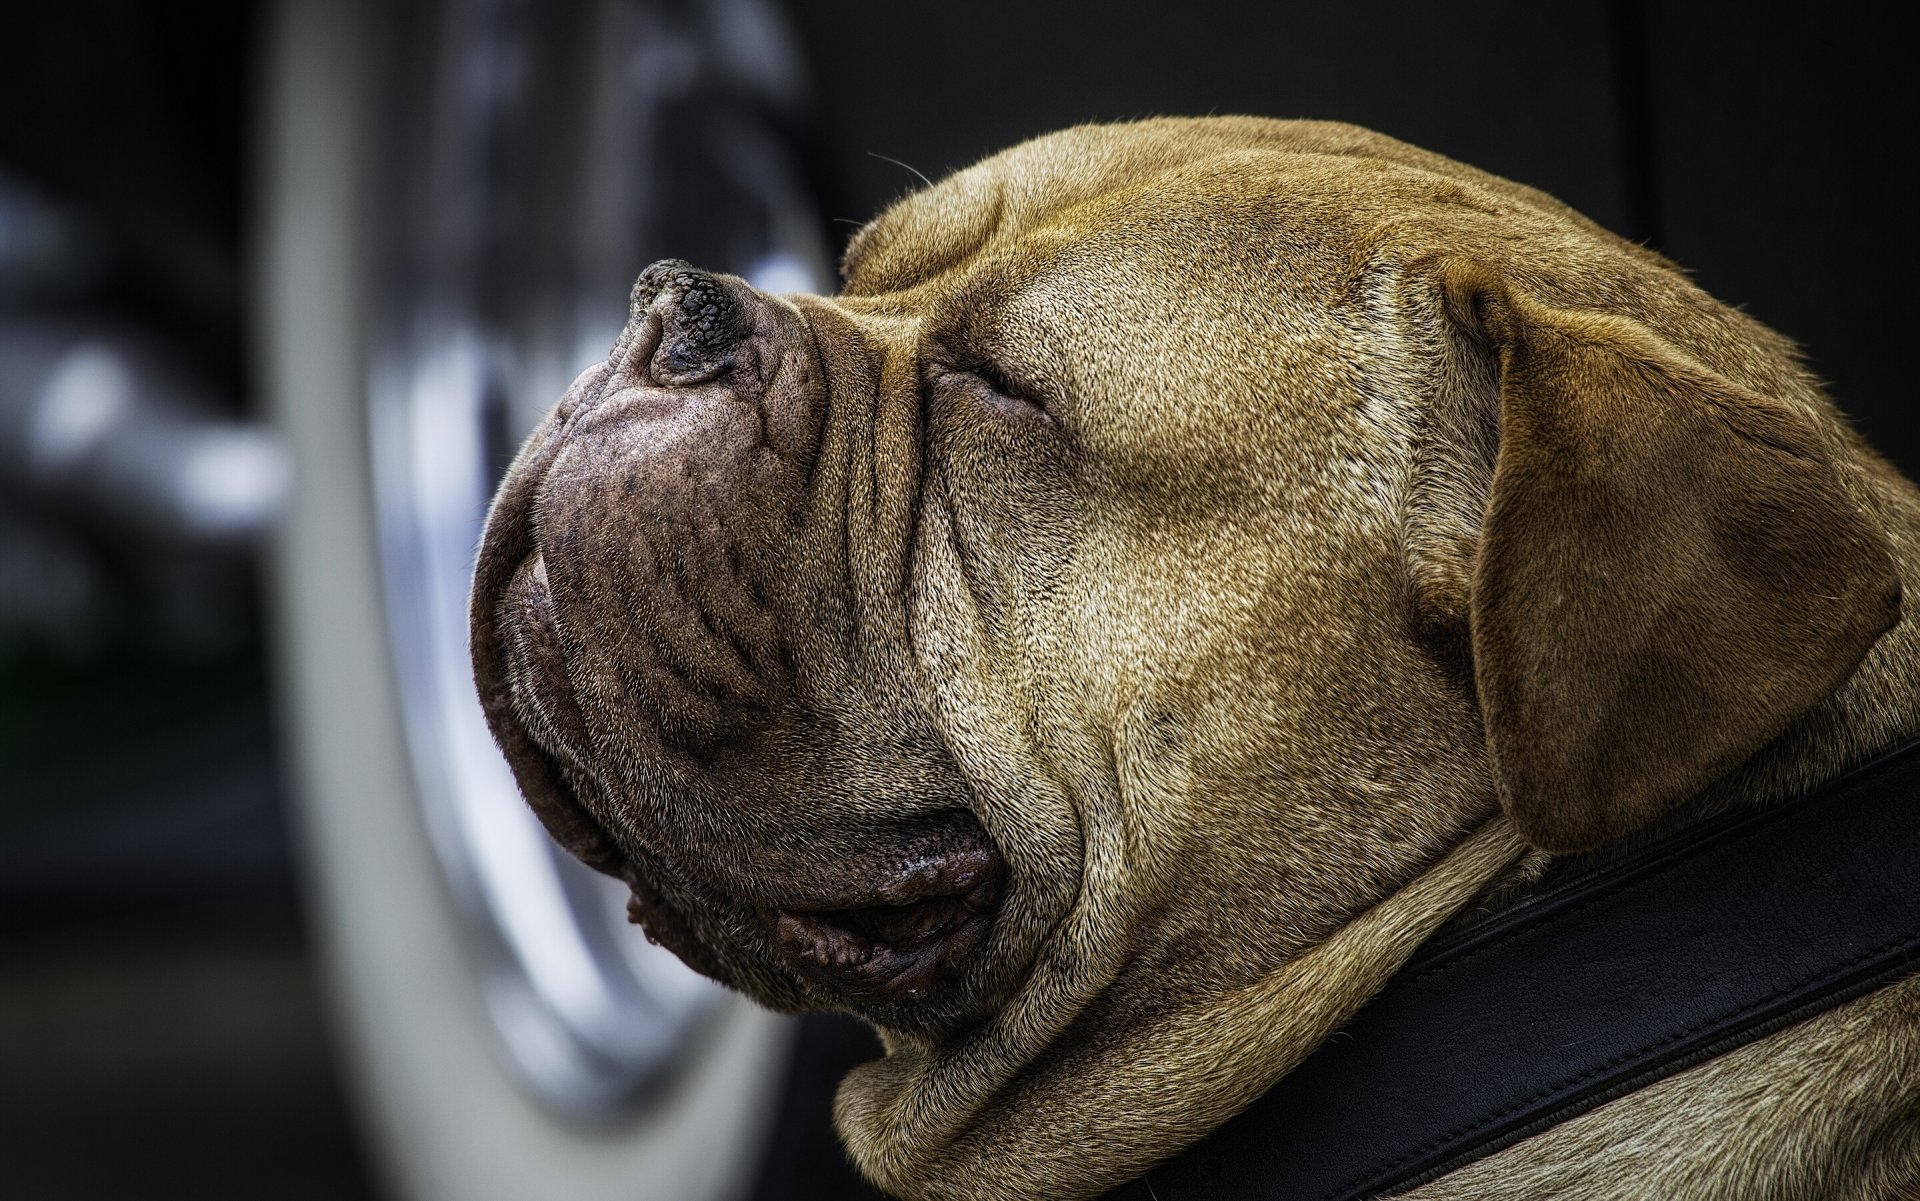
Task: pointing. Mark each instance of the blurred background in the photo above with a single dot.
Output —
(281, 286)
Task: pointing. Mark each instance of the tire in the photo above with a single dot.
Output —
(443, 1048)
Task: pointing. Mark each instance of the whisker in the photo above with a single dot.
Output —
(907, 166)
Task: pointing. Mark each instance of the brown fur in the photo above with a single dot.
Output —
(1390, 533)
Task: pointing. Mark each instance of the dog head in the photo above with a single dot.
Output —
(1175, 538)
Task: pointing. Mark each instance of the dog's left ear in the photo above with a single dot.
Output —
(1669, 570)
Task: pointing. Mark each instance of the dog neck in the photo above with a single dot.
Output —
(1017, 1111)
(997, 1116)
(1007, 1114)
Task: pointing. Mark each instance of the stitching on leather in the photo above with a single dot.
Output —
(1910, 939)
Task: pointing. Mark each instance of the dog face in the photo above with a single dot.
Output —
(1173, 539)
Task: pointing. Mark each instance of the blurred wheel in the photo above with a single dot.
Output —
(456, 196)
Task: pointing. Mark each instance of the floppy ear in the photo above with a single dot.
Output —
(1669, 571)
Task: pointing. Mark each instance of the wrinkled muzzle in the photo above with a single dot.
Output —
(671, 649)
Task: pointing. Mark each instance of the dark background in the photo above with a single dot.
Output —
(159, 1028)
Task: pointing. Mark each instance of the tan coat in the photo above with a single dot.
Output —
(1282, 542)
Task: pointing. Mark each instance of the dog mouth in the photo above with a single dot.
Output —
(909, 932)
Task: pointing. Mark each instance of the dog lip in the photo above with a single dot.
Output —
(894, 940)
(940, 873)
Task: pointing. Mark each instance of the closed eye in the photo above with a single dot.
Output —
(987, 383)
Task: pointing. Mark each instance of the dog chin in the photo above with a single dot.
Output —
(896, 937)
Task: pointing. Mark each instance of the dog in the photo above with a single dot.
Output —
(1188, 565)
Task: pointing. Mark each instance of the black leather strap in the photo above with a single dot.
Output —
(1682, 952)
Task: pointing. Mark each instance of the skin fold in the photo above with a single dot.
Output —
(1187, 564)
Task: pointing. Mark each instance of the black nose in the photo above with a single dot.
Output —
(703, 319)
